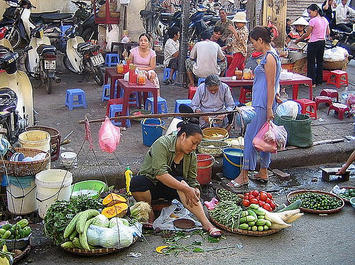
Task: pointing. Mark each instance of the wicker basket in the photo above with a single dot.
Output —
(215, 134)
(244, 232)
(22, 169)
(306, 210)
(338, 65)
(214, 148)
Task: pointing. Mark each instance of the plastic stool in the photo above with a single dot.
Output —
(105, 92)
(305, 103)
(117, 109)
(332, 93)
(167, 74)
(178, 102)
(192, 91)
(200, 81)
(75, 98)
(133, 99)
(340, 108)
(114, 101)
(338, 78)
(162, 105)
(326, 75)
(323, 99)
(112, 59)
(244, 97)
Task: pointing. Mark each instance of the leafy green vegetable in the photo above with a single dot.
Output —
(60, 213)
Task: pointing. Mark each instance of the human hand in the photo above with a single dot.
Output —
(197, 192)
(269, 114)
(231, 27)
(341, 171)
(190, 194)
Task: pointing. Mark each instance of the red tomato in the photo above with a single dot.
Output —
(268, 200)
(267, 207)
(255, 193)
(269, 195)
(254, 200)
(246, 203)
(261, 203)
(263, 196)
(251, 197)
(273, 206)
(246, 194)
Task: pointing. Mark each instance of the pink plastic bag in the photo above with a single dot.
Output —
(265, 140)
(109, 136)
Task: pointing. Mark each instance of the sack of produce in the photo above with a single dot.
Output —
(119, 236)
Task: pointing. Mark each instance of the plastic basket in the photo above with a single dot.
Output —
(88, 185)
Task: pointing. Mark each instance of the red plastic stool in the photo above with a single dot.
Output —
(245, 95)
(322, 99)
(332, 93)
(305, 103)
(326, 75)
(192, 91)
(338, 78)
(114, 101)
(340, 108)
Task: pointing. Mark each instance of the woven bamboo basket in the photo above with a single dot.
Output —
(22, 169)
(214, 148)
(338, 65)
(215, 134)
(244, 232)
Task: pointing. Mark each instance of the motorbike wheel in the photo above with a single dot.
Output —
(48, 85)
(98, 76)
(68, 65)
(15, 38)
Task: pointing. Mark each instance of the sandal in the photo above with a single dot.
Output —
(255, 178)
(147, 226)
(214, 232)
(234, 184)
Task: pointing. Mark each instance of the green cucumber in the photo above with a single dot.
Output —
(251, 223)
(76, 243)
(243, 220)
(71, 226)
(293, 206)
(260, 228)
(266, 228)
(259, 212)
(254, 206)
(244, 213)
(2, 231)
(249, 228)
(68, 244)
(254, 228)
(268, 223)
(6, 235)
(260, 222)
(243, 226)
(250, 218)
(252, 213)
(7, 226)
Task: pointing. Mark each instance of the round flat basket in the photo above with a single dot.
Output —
(97, 251)
(307, 210)
(244, 232)
(215, 134)
(24, 253)
(344, 199)
(214, 148)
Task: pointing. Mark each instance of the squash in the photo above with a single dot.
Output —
(119, 209)
(113, 199)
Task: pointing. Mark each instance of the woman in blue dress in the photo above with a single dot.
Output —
(266, 85)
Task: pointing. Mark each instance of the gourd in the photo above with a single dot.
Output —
(113, 199)
(119, 209)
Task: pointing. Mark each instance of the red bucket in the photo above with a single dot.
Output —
(204, 168)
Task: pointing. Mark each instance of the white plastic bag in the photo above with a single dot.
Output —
(288, 108)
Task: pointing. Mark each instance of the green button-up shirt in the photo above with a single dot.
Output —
(160, 156)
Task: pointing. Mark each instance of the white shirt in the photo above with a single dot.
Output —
(170, 48)
(206, 53)
(341, 12)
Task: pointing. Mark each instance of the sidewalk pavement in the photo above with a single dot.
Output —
(52, 112)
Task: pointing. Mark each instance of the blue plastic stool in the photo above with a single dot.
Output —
(114, 109)
(106, 91)
(111, 59)
(75, 98)
(133, 98)
(162, 105)
(179, 102)
(167, 74)
(200, 80)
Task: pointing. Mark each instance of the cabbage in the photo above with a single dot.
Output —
(101, 220)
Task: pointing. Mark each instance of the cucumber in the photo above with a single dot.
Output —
(68, 244)
(26, 231)
(249, 228)
(293, 206)
(259, 212)
(280, 207)
(254, 228)
(7, 226)
(266, 228)
(22, 223)
(72, 235)
(76, 243)
(250, 218)
(2, 231)
(243, 220)
(260, 228)
(254, 206)
(261, 216)
(244, 213)
(268, 223)
(83, 237)
(71, 226)
(80, 224)
(251, 223)
(6, 235)
(243, 226)
(260, 222)
(252, 213)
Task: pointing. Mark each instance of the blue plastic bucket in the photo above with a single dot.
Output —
(232, 162)
(152, 129)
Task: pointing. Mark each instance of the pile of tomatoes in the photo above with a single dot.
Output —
(262, 198)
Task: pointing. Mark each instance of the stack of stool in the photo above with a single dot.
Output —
(192, 91)
(167, 74)
(75, 98)
(179, 102)
(116, 110)
(307, 103)
(162, 105)
(332, 93)
(340, 109)
(245, 95)
(338, 78)
(111, 59)
(133, 99)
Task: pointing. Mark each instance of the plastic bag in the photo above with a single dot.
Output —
(288, 108)
(109, 136)
(247, 113)
(265, 140)
(280, 136)
(117, 237)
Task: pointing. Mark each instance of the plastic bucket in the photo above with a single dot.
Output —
(92, 188)
(52, 185)
(232, 162)
(152, 129)
(204, 168)
(21, 195)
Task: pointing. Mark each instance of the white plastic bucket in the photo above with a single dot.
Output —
(52, 185)
(21, 199)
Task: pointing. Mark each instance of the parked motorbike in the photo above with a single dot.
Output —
(16, 21)
(16, 102)
(85, 19)
(83, 57)
(40, 61)
(345, 40)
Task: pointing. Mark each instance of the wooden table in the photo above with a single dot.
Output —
(296, 80)
(131, 88)
(111, 72)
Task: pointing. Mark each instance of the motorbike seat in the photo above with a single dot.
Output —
(51, 17)
(85, 46)
(45, 48)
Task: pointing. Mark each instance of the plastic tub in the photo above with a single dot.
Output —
(93, 188)
(204, 168)
(152, 129)
(52, 185)
(232, 162)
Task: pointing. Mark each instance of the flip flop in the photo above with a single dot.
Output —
(234, 184)
(147, 226)
(214, 232)
(261, 180)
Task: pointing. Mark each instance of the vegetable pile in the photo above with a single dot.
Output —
(262, 198)
(347, 194)
(17, 231)
(226, 195)
(317, 201)
(227, 213)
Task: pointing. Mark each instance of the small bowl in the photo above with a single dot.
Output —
(184, 223)
(69, 159)
(352, 202)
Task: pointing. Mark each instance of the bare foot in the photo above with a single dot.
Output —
(241, 180)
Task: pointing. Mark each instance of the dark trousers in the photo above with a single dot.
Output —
(315, 52)
(173, 63)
